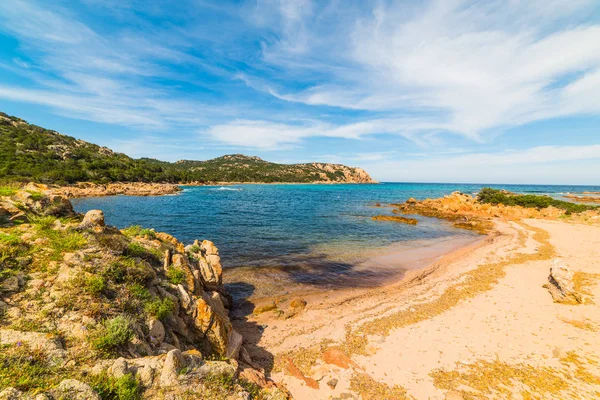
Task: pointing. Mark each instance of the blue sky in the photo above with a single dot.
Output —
(438, 91)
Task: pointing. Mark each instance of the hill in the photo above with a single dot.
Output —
(31, 153)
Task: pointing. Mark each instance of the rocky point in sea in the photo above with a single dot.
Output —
(88, 311)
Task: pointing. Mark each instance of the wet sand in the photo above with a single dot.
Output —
(377, 267)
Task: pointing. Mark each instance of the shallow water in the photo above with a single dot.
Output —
(319, 235)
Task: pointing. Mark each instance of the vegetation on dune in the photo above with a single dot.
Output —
(495, 196)
(31, 153)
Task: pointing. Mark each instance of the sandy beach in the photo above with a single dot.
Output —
(476, 323)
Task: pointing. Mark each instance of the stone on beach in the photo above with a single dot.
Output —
(560, 284)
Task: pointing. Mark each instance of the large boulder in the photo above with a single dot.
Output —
(560, 284)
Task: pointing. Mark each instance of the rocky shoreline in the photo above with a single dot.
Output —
(89, 189)
(90, 309)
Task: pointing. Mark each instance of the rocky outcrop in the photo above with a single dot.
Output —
(466, 212)
(138, 304)
(88, 189)
(35, 199)
(346, 174)
(561, 285)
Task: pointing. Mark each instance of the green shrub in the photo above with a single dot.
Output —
(494, 196)
(36, 196)
(110, 388)
(175, 275)
(7, 191)
(64, 242)
(42, 223)
(111, 334)
(9, 239)
(140, 292)
(160, 308)
(135, 249)
(127, 270)
(94, 285)
(136, 230)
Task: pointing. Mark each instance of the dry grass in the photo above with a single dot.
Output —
(578, 368)
(582, 281)
(475, 282)
(370, 389)
(580, 324)
(485, 379)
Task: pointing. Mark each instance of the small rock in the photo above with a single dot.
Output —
(336, 356)
(167, 260)
(218, 304)
(169, 375)
(10, 284)
(156, 330)
(11, 394)
(560, 284)
(193, 358)
(254, 376)
(332, 383)
(119, 368)
(298, 304)
(93, 218)
(71, 389)
(146, 375)
(259, 309)
(244, 396)
(216, 368)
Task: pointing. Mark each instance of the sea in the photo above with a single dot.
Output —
(278, 238)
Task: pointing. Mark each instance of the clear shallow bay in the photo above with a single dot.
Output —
(302, 234)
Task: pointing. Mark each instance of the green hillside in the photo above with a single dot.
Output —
(31, 153)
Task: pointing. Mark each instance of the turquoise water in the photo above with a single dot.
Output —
(317, 233)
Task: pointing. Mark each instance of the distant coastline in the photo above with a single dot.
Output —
(90, 189)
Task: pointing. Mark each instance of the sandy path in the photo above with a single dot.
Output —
(511, 329)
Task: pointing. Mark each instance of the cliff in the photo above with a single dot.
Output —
(31, 153)
(89, 311)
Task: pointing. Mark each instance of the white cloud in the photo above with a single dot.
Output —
(268, 135)
(473, 66)
(79, 73)
(413, 69)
